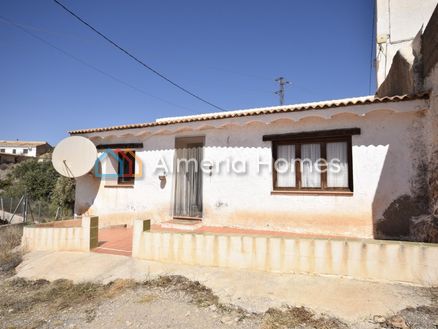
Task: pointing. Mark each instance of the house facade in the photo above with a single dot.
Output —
(375, 140)
(25, 148)
(360, 167)
(17, 151)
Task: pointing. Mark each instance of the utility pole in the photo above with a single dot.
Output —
(282, 82)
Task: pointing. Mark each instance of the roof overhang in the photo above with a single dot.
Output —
(359, 107)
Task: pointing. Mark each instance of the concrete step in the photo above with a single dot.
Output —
(183, 224)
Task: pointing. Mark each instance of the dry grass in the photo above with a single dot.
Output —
(10, 237)
(425, 316)
(298, 317)
(59, 294)
(24, 295)
(147, 299)
(10, 256)
(32, 301)
(199, 294)
(434, 295)
(274, 318)
(115, 288)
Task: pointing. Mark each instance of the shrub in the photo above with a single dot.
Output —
(10, 238)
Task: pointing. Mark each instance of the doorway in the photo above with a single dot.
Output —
(188, 178)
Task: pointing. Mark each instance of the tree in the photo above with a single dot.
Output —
(50, 194)
(35, 178)
(63, 194)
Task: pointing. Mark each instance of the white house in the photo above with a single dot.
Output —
(375, 139)
(357, 167)
(26, 148)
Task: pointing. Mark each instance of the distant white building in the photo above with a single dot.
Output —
(25, 148)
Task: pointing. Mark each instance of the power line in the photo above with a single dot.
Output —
(81, 61)
(39, 29)
(136, 58)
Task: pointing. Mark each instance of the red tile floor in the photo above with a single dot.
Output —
(118, 240)
(115, 240)
(243, 231)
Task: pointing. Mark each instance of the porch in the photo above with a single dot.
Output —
(278, 252)
(117, 240)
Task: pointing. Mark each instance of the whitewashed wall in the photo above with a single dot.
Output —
(71, 235)
(384, 157)
(31, 151)
(400, 21)
(388, 261)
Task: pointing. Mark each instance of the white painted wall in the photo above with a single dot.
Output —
(65, 235)
(400, 21)
(384, 158)
(388, 261)
(31, 151)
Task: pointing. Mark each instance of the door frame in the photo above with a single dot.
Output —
(185, 142)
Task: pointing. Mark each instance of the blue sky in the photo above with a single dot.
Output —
(228, 52)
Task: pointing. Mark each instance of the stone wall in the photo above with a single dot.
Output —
(429, 44)
(415, 69)
(430, 59)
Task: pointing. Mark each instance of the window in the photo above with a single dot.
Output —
(25, 151)
(126, 167)
(14, 151)
(316, 162)
(2, 150)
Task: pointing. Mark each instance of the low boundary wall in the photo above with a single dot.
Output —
(18, 226)
(375, 260)
(72, 235)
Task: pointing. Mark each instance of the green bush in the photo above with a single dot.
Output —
(36, 179)
(47, 190)
(63, 194)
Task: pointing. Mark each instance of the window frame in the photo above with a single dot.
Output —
(121, 179)
(319, 137)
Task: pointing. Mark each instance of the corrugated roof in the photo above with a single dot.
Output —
(5, 143)
(260, 111)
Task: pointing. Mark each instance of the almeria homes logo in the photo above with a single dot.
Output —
(123, 162)
(125, 166)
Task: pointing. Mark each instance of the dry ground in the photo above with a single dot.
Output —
(168, 302)
(165, 302)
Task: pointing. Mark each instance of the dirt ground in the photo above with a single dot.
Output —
(167, 302)
(164, 302)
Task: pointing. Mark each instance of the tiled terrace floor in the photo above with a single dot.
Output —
(118, 240)
(115, 240)
(241, 231)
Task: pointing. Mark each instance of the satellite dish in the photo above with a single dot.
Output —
(74, 156)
